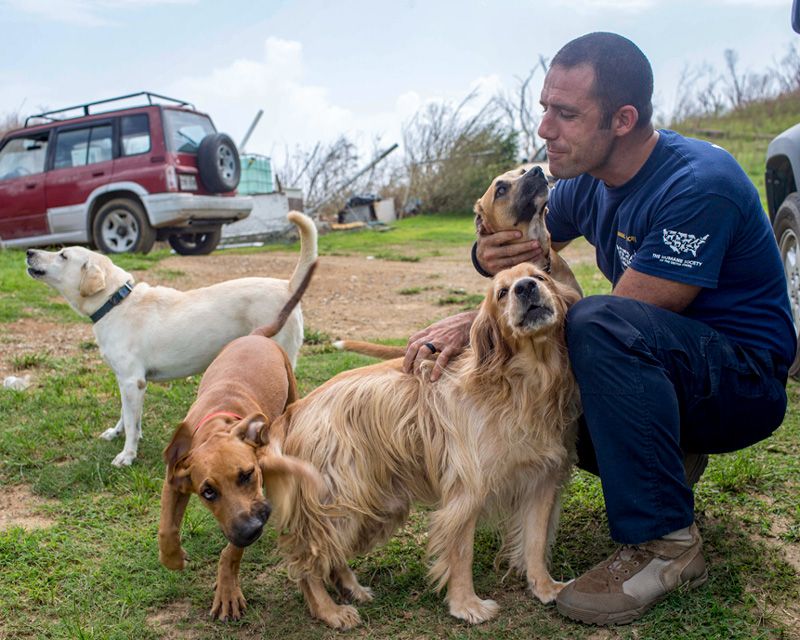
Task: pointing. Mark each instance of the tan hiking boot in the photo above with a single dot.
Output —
(634, 578)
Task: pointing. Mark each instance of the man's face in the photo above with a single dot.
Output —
(571, 123)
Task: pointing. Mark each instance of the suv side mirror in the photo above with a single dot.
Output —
(796, 16)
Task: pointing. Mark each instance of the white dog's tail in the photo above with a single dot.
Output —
(308, 247)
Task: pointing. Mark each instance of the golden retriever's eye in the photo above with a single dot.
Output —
(209, 493)
(502, 293)
(245, 477)
(536, 276)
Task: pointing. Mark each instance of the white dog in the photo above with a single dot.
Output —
(159, 333)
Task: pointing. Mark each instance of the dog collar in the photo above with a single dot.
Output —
(214, 415)
(120, 294)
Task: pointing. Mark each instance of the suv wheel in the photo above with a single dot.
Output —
(195, 244)
(121, 226)
(218, 163)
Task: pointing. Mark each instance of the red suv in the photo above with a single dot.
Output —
(120, 179)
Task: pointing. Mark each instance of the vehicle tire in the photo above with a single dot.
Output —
(121, 226)
(218, 163)
(195, 244)
(787, 233)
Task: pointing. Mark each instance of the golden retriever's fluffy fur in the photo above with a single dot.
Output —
(491, 437)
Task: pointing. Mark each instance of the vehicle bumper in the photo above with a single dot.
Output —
(180, 209)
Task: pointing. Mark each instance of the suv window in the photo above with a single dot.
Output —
(135, 136)
(23, 156)
(79, 147)
(184, 130)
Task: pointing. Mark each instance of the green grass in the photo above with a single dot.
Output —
(94, 572)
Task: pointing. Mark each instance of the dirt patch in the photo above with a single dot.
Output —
(19, 507)
(168, 619)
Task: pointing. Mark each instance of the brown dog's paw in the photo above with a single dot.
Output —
(546, 590)
(175, 560)
(229, 603)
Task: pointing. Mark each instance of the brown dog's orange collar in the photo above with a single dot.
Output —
(214, 415)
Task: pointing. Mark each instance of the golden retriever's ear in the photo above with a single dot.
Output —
(253, 430)
(176, 457)
(488, 346)
(567, 293)
(93, 280)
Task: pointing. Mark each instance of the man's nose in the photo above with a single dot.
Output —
(545, 131)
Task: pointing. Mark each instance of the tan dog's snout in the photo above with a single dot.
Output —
(248, 527)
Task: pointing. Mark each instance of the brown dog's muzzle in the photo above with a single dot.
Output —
(247, 528)
(531, 187)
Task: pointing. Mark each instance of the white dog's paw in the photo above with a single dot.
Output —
(474, 610)
(360, 594)
(546, 590)
(124, 459)
(110, 434)
(342, 617)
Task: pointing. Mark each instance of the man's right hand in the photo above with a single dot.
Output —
(503, 249)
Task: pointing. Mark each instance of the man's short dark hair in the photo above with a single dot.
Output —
(622, 73)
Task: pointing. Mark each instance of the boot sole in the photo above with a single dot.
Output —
(619, 617)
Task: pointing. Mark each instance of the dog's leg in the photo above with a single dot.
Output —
(322, 606)
(348, 585)
(173, 506)
(229, 602)
(540, 508)
(452, 538)
(113, 432)
(132, 392)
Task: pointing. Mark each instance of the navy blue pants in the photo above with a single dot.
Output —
(655, 384)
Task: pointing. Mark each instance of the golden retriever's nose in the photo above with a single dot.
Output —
(526, 288)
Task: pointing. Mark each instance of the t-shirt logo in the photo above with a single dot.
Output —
(681, 242)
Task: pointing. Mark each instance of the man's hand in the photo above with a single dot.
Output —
(448, 337)
(503, 249)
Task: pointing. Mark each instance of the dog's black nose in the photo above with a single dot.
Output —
(537, 171)
(29, 252)
(525, 288)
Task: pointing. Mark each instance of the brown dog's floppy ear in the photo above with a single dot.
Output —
(488, 346)
(93, 280)
(175, 457)
(253, 430)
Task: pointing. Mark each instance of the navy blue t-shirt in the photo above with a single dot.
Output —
(690, 215)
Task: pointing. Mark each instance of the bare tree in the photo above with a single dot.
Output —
(520, 108)
(9, 121)
(787, 72)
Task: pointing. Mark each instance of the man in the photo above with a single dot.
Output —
(690, 352)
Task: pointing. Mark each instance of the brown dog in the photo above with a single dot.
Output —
(213, 452)
(517, 199)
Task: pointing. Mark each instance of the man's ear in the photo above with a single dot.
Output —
(624, 120)
(93, 280)
(253, 430)
(176, 457)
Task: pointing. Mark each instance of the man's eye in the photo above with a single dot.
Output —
(209, 494)
(502, 293)
(566, 115)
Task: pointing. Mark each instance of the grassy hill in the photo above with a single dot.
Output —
(746, 132)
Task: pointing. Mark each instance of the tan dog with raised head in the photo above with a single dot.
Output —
(213, 453)
(517, 199)
(491, 436)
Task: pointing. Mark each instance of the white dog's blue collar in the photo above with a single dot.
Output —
(121, 293)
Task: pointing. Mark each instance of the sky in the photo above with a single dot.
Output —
(362, 68)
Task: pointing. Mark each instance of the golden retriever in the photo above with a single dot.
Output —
(491, 437)
(160, 333)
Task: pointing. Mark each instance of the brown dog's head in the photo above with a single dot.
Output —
(516, 199)
(524, 305)
(225, 473)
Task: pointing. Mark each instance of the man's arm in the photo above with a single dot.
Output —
(667, 294)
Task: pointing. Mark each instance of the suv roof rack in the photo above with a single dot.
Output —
(51, 115)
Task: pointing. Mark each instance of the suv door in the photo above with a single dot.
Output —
(141, 155)
(82, 160)
(22, 186)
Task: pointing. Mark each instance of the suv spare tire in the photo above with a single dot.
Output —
(218, 163)
(121, 226)
(195, 244)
